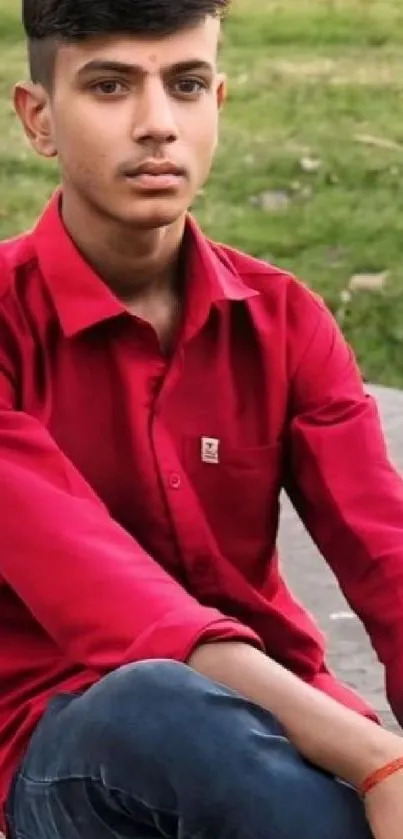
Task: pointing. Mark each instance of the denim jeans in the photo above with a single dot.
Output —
(156, 750)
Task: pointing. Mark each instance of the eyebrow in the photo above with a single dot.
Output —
(100, 66)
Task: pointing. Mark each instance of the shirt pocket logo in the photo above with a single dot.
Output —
(210, 450)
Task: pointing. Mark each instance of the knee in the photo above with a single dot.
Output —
(141, 698)
(151, 684)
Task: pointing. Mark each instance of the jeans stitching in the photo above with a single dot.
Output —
(89, 779)
(18, 834)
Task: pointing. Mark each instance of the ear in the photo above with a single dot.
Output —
(32, 105)
(222, 90)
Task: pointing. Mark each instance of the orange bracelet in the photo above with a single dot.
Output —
(381, 775)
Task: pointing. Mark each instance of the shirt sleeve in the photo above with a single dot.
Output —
(343, 485)
(92, 588)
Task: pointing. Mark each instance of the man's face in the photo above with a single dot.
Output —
(134, 122)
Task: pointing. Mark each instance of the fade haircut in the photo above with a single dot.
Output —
(48, 23)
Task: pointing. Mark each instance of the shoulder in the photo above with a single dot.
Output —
(271, 281)
(287, 308)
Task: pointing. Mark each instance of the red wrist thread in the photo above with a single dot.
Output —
(381, 775)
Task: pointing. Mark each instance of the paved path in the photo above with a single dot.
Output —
(349, 651)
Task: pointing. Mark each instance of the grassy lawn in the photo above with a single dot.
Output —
(310, 171)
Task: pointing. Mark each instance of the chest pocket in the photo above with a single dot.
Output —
(239, 491)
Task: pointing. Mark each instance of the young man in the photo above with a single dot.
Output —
(156, 392)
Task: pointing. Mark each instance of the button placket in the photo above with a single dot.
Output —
(191, 530)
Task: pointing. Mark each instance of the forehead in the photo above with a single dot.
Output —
(152, 54)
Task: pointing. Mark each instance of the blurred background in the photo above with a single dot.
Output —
(310, 170)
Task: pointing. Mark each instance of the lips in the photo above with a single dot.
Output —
(155, 176)
(155, 169)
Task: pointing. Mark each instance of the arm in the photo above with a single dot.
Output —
(326, 733)
(345, 489)
(92, 588)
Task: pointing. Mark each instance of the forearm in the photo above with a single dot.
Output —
(325, 732)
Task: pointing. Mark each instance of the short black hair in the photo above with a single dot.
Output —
(48, 23)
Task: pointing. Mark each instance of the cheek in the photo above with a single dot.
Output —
(206, 151)
(72, 137)
(85, 137)
(205, 133)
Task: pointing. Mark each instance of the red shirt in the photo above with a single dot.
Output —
(140, 494)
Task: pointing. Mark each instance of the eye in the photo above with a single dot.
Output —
(190, 87)
(109, 87)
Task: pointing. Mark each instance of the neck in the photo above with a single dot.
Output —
(136, 264)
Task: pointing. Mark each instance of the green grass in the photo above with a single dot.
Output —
(308, 78)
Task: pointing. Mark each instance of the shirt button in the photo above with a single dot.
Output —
(175, 481)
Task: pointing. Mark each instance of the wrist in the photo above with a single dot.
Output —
(380, 775)
(383, 750)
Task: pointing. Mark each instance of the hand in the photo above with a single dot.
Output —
(384, 808)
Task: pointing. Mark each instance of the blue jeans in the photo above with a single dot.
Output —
(156, 750)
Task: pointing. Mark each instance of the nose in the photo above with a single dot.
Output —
(154, 120)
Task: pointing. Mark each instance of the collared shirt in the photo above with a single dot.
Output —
(140, 493)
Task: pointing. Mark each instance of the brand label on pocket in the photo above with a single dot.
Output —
(210, 450)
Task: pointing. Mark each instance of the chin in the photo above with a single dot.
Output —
(156, 212)
(153, 221)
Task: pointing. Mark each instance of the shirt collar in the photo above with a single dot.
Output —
(210, 278)
(82, 299)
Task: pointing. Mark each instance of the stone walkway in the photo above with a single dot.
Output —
(349, 651)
